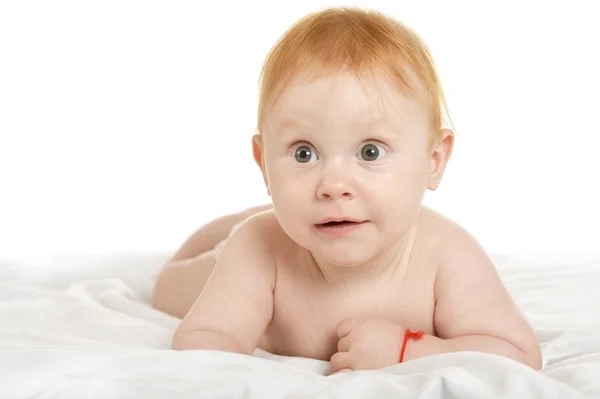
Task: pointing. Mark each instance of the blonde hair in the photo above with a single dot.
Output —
(360, 41)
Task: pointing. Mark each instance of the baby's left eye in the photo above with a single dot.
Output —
(371, 152)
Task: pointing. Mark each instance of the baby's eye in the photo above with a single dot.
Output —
(304, 154)
(371, 152)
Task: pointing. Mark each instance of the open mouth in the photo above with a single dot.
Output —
(339, 227)
(339, 223)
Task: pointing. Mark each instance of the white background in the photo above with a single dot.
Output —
(126, 125)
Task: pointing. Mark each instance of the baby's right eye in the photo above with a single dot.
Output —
(305, 154)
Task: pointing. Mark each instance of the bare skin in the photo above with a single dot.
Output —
(307, 309)
(288, 282)
(190, 267)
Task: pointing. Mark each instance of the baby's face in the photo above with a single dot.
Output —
(336, 149)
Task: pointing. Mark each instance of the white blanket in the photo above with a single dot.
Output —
(81, 327)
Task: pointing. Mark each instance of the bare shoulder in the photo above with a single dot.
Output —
(470, 296)
(437, 236)
(437, 226)
(237, 301)
(261, 238)
(266, 226)
(456, 253)
(264, 230)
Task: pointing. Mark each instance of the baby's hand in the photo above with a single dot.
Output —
(367, 344)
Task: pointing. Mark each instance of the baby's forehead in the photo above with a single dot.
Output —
(343, 96)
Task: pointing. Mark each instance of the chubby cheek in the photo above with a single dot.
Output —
(290, 199)
(287, 189)
(399, 199)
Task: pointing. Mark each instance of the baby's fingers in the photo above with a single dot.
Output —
(344, 344)
(340, 361)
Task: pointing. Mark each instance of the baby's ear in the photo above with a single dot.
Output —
(259, 157)
(440, 155)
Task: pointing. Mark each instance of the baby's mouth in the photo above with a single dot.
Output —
(341, 227)
(339, 223)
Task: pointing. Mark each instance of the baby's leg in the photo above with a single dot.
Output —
(182, 279)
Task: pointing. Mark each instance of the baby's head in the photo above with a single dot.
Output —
(350, 125)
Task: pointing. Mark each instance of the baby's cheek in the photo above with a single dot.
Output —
(397, 213)
(288, 197)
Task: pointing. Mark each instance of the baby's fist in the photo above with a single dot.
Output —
(367, 344)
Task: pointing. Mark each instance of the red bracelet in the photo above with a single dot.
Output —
(408, 334)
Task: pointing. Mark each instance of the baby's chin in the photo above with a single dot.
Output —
(344, 256)
(365, 251)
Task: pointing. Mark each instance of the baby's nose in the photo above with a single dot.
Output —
(334, 192)
(335, 183)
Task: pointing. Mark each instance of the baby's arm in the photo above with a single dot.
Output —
(474, 311)
(236, 305)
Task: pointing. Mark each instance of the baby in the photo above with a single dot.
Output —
(347, 265)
